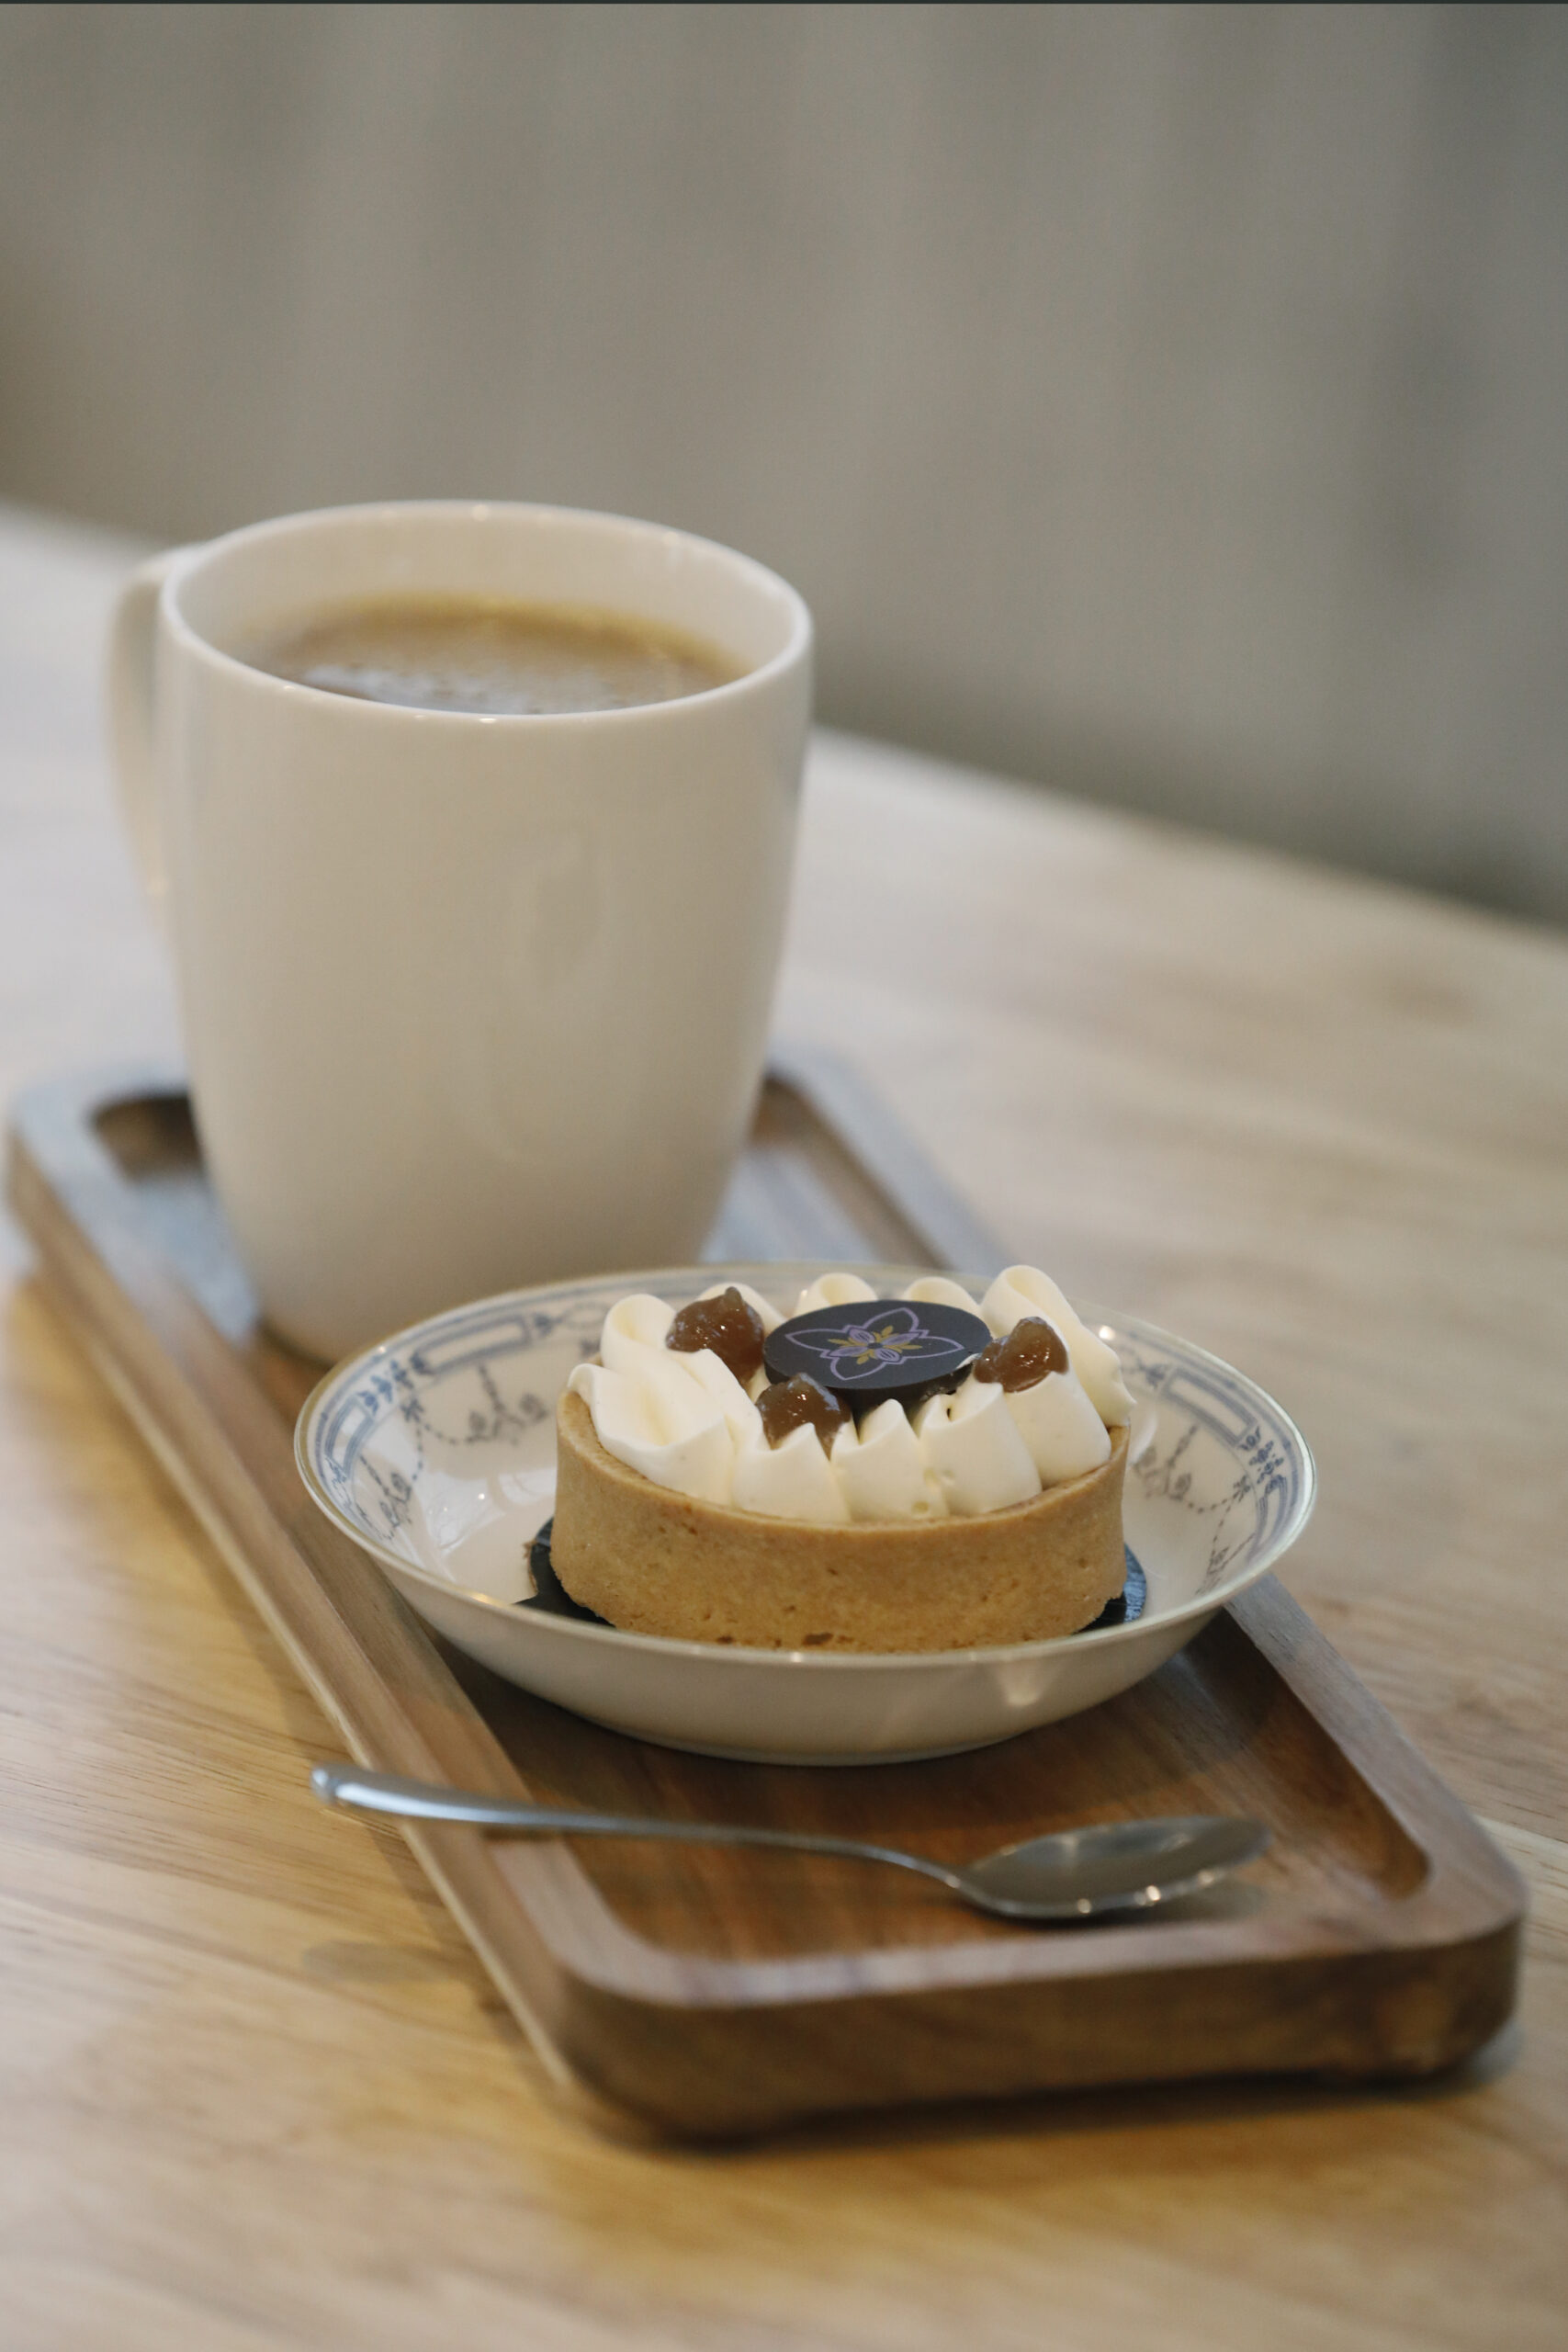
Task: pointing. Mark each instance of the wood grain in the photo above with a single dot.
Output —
(1320, 1126)
(712, 1992)
(257, 2094)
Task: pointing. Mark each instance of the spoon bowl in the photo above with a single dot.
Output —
(1113, 1866)
(1072, 1874)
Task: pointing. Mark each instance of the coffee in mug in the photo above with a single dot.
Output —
(489, 654)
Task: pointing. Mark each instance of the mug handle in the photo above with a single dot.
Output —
(132, 644)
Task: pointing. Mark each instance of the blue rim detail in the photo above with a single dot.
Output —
(403, 1378)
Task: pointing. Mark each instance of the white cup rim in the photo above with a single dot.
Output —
(186, 563)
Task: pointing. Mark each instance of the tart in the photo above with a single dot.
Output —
(652, 1561)
(871, 1475)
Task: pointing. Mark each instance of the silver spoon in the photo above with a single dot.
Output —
(1116, 1866)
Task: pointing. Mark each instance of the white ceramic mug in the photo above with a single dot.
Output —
(468, 1002)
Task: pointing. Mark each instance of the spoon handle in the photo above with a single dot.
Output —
(421, 1800)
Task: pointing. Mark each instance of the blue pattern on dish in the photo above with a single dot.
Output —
(436, 1453)
(482, 1352)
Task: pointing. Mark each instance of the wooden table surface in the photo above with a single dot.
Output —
(257, 2092)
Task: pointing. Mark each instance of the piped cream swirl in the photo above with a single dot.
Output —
(685, 1422)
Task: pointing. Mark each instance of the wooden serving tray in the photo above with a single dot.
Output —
(701, 1991)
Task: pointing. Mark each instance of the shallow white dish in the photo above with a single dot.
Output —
(436, 1450)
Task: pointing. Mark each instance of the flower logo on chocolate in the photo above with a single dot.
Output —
(859, 1351)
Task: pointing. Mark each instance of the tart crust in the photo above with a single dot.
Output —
(654, 1562)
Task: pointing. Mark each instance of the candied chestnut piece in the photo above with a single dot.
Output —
(1030, 1351)
(726, 1324)
(798, 1404)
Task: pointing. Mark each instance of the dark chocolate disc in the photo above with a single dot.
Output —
(878, 1347)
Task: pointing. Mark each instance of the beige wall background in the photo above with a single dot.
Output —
(1165, 403)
